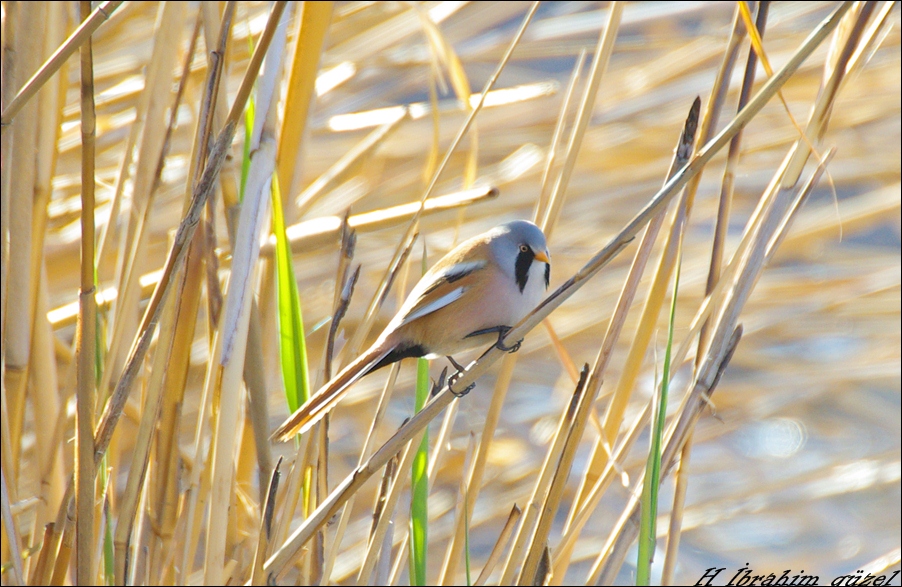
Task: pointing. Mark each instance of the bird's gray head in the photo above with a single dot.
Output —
(524, 241)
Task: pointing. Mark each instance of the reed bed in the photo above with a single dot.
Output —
(218, 204)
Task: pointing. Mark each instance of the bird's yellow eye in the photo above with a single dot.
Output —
(523, 248)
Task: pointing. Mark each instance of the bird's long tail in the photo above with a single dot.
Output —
(329, 394)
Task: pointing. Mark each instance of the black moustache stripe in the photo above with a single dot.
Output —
(521, 269)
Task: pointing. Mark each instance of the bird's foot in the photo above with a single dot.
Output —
(454, 379)
(438, 385)
(502, 332)
(500, 344)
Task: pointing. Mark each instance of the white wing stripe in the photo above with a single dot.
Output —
(435, 305)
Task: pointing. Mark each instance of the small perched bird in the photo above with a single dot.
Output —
(470, 298)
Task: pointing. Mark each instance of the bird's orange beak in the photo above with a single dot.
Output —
(543, 257)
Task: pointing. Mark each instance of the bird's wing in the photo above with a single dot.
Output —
(439, 290)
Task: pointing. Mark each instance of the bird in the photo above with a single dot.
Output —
(471, 297)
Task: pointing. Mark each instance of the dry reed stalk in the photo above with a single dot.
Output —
(719, 241)
(51, 550)
(86, 350)
(781, 230)
(772, 238)
(194, 499)
(388, 535)
(177, 253)
(476, 470)
(764, 209)
(177, 101)
(19, 294)
(627, 527)
(440, 446)
(164, 497)
(765, 235)
(675, 525)
(332, 551)
(779, 193)
(257, 388)
(229, 347)
(107, 245)
(344, 289)
(312, 24)
(48, 407)
(654, 301)
(602, 447)
(46, 400)
(726, 190)
(655, 298)
(55, 61)
(526, 529)
(535, 564)
(732, 269)
(557, 135)
(40, 566)
(384, 515)
(135, 487)
(310, 564)
(823, 106)
(12, 533)
(500, 544)
(318, 552)
(388, 477)
(213, 105)
(603, 51)
(219, 105)
(280, 558)
(126, 547)
(864, 49)
(182, 237)
(213, 110)
(443, 52)
(9, 77)
(293, 491)
(64, 555)
(564, 357)
(346, 164)
(264, 129)
(564, 549)
(150, 147)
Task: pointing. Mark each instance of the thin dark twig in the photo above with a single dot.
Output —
(344, 288)
(269, 508)
(346, 292)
